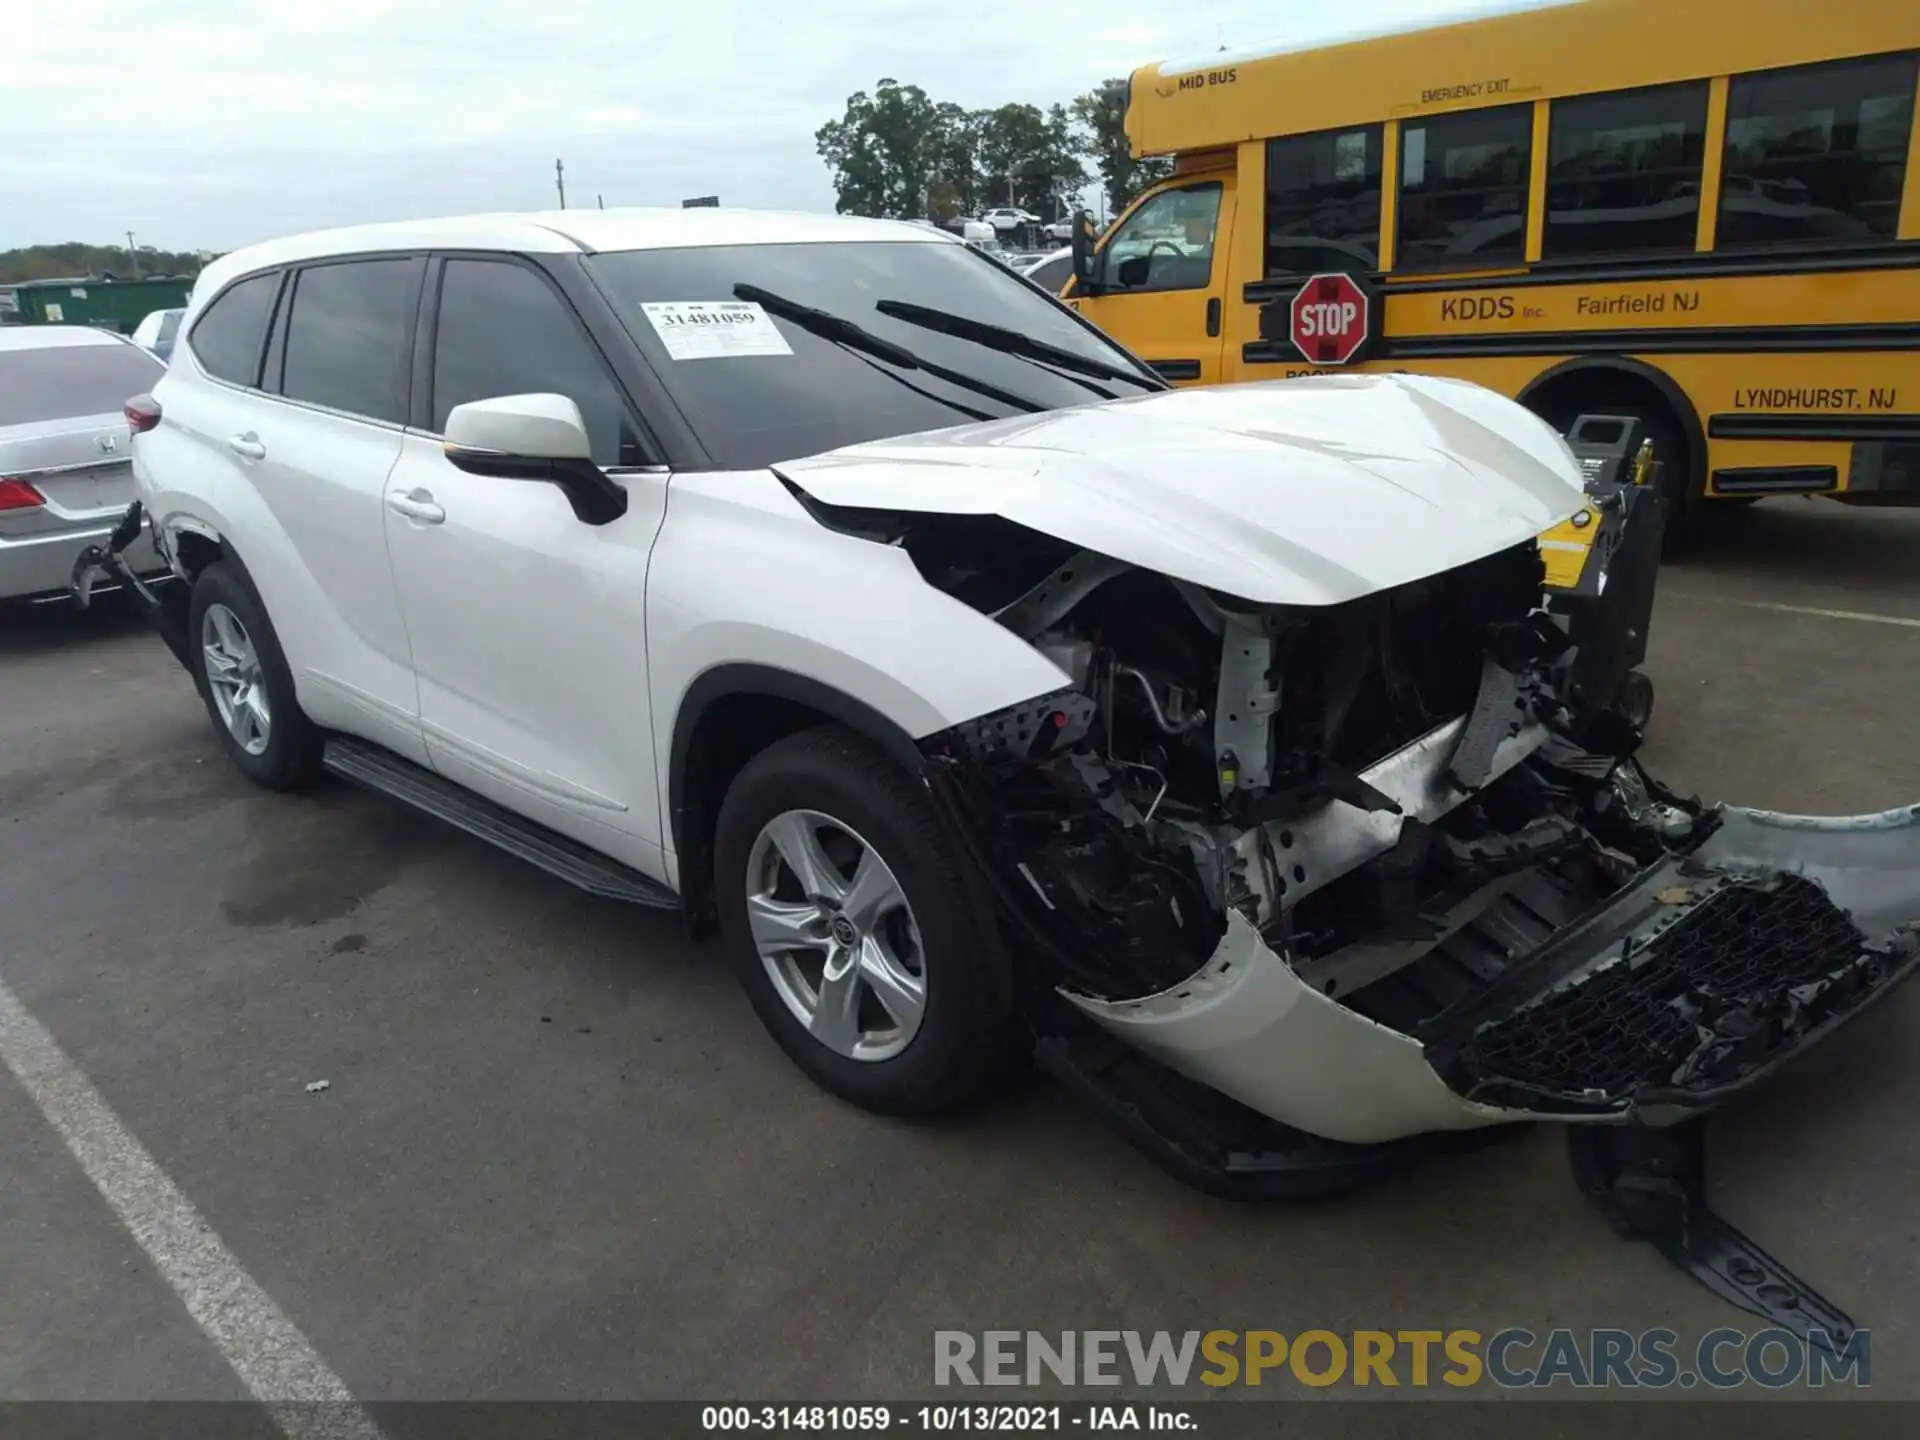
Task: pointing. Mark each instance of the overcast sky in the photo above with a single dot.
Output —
(215, 123)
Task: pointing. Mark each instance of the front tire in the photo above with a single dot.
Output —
(854, 927)
(242, 675)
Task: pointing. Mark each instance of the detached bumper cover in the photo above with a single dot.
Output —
(1707, 972)
(164, 605)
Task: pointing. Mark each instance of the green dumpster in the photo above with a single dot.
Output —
(111, 304)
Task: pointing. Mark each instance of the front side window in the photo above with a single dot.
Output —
(1623, 171)
(1818, 153)
(1166, 244)
(349, 337)
(792, 389)
(1463, 189)
(231, 333)
(1323, 202)
(503, 331)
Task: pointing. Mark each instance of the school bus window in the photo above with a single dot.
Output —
(1623, 171)
(1816, 153)
(1323, 202)
(1167, 244)
(1463, 189)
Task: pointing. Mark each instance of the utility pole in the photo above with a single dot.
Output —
(133, 255)
(560, 182)
(600, 200)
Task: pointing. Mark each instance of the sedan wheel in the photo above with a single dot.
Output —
(836, 935)
(234, 677)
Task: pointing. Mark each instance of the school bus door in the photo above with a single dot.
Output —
(1160, 278)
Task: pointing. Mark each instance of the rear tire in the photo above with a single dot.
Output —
(856, 890)
(242, 674)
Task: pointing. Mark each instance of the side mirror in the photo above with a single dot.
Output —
(1134, 271)
(534, 437)
(1084, 255)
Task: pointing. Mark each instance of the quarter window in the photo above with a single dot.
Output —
(228, 338)
(503, 331)
(1463, 189)
(1623, 171)
(1818, 153)
(1323, 202)
(1167, 244)
(349, 338)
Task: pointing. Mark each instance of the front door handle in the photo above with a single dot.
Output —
(247, 446)
(417, 505)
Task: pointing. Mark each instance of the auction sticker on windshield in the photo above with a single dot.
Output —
(714, 329)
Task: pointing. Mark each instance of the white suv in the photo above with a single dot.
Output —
(823, 578)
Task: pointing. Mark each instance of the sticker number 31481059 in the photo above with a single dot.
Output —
(714, 329)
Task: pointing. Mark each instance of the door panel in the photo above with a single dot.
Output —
(527, 623)
(1163, 271)
(527, 628)
(346, 330)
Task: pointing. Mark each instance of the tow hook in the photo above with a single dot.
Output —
(1651, 1185)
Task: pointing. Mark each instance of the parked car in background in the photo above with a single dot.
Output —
(1050, 271)
(1061, 229)
(1010, 219)
(66, 472)
(156, 332)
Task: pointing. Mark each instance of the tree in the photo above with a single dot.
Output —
(75, 259)
(953, 164)
(881, 150)
(1028, 158)
(1102, 113)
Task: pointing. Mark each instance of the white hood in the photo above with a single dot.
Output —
(1296, 492)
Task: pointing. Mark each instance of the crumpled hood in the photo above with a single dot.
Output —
(1301, 492)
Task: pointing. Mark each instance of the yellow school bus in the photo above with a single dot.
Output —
(1700, 214)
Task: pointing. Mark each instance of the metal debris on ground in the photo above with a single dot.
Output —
(314, 1087)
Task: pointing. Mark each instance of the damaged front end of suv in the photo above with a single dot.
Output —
(1304, 889)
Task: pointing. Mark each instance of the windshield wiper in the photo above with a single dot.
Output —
(842, 331)
(1010, 342)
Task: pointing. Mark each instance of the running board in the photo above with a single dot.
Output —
(377, 769)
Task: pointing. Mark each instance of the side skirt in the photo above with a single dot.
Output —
(377, 769)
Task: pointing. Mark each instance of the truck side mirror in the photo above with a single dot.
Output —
(1084, 255)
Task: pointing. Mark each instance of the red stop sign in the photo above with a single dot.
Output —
(1329, 319)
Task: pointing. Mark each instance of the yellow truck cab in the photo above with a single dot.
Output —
(1701, 216)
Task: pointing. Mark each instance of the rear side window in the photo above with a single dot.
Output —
(228, 338)
(62, 382)
(349, 337)
(503, 331)
(1623, 171)
(1323, 202)
(169, 326)
(1463, 189)
(1818, 153)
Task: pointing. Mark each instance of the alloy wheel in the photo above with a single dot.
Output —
(233, 676)
(837, 937)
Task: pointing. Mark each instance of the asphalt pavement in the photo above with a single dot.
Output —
(557, 1157)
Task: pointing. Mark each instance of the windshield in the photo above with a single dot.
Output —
(60, 382)
(760, 400)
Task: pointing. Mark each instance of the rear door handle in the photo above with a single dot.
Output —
(417, 505)
(1213, 316)
(247, 446)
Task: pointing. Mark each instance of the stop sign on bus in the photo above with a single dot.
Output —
(1330, 319)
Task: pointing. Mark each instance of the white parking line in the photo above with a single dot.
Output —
(271, 1357)
(1817, 610)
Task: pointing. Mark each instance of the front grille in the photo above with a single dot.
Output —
(1738, 979)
